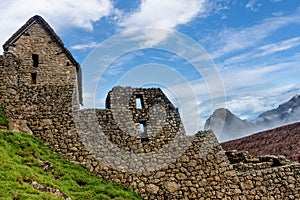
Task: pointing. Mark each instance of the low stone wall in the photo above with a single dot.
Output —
(273, 183)
(242, 162)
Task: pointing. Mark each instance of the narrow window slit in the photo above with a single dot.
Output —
(35, 59)
(143, 130)
(139, 102)
(33, 78)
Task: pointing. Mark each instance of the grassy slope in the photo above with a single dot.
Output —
(21, 157)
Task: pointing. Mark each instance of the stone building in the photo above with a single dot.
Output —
(41, 82)
(138, 140)
(43, 57)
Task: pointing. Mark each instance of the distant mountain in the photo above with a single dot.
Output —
(286, 113)
(284, 140)
(228, 126)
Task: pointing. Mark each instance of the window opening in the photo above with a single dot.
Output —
(139, 102)
(143, 130)
(33, 78)
(35, 59)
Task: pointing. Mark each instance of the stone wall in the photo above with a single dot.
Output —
(272, 183)
(45, 109)
(181, 167)
(241, 161)
(197, 169)
(122, 119)
(162, 163)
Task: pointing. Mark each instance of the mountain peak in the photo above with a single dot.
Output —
(222, 119)
(221, 112)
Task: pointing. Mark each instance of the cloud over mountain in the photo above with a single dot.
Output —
(228, 126)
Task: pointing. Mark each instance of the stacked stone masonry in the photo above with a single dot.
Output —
(143, 147)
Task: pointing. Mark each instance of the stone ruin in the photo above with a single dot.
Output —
(138, 140)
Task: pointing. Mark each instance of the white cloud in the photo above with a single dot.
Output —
(166, 14)
(280, 46)
(262, 81)
(251, 105)
(84, 46)
(59, 13)
(264, 50)
(246, 107)
(231, 40)
(253, 5)
(252, 91)
(249, 92)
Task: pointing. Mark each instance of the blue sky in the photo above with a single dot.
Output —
(254, 44)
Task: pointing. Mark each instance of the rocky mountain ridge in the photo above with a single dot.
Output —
(286, 113)
(228, 126)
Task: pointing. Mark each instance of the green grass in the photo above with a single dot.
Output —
(21, 157)
(3, 120)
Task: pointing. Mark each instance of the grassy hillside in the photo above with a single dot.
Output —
(25, 159)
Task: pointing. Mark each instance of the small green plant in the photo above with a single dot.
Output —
(3, 119)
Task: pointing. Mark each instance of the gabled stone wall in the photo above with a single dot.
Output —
(54, 67)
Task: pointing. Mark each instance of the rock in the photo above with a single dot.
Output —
(291, 179)
(19, 126)
(152, 188)
(181, 176)
(160, 174)
(184, 158)
(247, 185)
(171, 186)
(192, 163)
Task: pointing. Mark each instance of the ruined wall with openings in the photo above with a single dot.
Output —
(156, 160)
(183, 167)
(143, 119)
